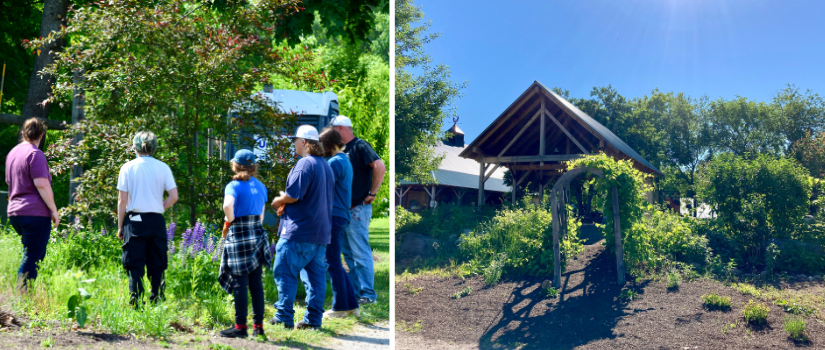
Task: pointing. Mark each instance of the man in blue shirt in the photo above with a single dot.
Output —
(305, 231)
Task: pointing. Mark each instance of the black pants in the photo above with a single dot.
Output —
(145, 246)
(256, 287)
(34, 233)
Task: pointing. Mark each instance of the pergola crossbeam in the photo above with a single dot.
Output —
(531, 159)
(569, 135)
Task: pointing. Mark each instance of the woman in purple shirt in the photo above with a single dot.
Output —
(31, 206)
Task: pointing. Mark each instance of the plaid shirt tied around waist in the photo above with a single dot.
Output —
(246, 247)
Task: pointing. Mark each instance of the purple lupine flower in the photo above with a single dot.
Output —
(210, 246)
(170, 236)
(187, 240)
(200, 239)
(217, 250)
(197, 239)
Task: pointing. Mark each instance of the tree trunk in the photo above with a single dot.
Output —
(78, 114)
(54, 13)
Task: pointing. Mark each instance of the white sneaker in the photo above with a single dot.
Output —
(354, 312)
(336, 314)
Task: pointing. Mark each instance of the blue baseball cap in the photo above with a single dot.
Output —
(244, 157)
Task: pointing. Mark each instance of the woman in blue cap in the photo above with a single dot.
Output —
(246, 248)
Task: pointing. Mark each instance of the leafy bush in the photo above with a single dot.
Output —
(755, 200)
(551, 292)
(462, 293)
(493, 272)
(412, 290)
(443, 221)
(716, 302)
(795, 307)
(405, 221)
(795, 326)
(756, 313)
(794, 259)
(525, 235)
(628, 295)
(673, 280)
(671, 237)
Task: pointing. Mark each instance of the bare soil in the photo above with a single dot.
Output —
(588, 314)
(364, 336)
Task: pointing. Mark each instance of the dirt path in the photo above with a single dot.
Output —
(363, 336)
(588, 314)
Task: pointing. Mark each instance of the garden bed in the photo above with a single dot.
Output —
(589, 313)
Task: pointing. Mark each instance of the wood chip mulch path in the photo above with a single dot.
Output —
(588, 314)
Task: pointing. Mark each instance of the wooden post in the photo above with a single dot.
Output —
(541, 186)
(78, 114)
(481, 182)
(515, 184)
(617, 232)
(556, 253)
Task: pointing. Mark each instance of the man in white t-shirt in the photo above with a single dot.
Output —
(141, 225)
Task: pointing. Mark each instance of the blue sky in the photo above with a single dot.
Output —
(718, 48)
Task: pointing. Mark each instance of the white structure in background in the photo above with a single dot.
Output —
(702, 212)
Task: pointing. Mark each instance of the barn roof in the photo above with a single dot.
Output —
(462, 172)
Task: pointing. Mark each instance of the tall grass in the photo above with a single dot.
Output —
(203, 306)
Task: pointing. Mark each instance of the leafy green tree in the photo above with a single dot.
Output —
(176, 68)
(353, 20)
(755, 199)
(800, 114)
(422, 100)
(360, 77)
(744, 128)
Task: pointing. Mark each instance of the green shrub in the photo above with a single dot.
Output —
(405, 221)
(756, 313)
(673, 280)
(673, 238)
(795, 308)
(551, 292)
(716, 302)
(462, 293)
(794, 259)
(525, 235)
(628, 295)
(755, 200)
(795, 326)
(492, 273)
(412, 290)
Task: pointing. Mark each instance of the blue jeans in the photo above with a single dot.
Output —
(34, 233)
(357, 252)
(343, 294)
(290, 258)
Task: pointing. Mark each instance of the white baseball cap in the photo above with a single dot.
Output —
(306, 132)
(341, 120)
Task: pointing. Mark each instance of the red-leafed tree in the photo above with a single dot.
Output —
(810, 152)
(177, 68)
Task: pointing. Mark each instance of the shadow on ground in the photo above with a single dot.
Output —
(588, 307)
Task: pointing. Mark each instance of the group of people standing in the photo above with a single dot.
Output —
(325, 212)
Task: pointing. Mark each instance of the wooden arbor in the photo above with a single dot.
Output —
(558, 207)
(536, 134)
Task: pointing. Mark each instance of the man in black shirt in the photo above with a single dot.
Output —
(367, 175)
